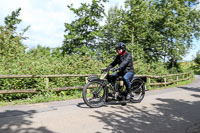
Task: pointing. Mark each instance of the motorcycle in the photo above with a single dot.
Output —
(100, 91)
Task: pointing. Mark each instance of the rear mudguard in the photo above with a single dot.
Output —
(144, 79)
(93, 78)
(136, 78)
(96, 79)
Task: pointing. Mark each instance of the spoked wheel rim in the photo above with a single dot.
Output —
(137, 91)
(94, 94)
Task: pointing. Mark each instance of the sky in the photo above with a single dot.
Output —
(47, 17)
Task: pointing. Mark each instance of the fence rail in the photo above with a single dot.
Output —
(149, 78)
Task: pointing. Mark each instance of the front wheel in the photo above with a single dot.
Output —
(138, 90)
(94, 94)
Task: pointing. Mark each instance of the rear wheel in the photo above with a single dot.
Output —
(94, 94)
(137, 90)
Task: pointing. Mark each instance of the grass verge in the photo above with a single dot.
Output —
(48, 97)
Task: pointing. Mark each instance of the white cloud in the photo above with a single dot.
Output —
(46, 18)
(193, 51)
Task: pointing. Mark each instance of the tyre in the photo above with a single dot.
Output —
(94, 94)
(137, 90)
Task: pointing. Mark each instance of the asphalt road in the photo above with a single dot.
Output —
(173, 110)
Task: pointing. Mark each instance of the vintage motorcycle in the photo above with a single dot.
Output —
(100, 91)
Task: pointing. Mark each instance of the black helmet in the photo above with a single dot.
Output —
(120, 45)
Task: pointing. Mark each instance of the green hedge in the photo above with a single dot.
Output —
(47, 64)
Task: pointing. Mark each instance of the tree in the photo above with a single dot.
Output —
(137, 20)
(12, 20)
(197, 59)
(180, 24)
(114, 30)
(85, 30)
(119, 29)
(163, 28)
(11, 46)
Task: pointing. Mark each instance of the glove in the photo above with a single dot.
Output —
(115, 69)
(108, 68)
(103, 70)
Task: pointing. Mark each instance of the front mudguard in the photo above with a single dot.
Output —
(102, 82)
(92, 78)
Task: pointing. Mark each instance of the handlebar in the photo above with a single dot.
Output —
(103, 70)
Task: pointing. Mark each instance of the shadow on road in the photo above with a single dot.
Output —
(195, 89)
(83, 105)
(195, 95)
(166, 116)
(15, 121)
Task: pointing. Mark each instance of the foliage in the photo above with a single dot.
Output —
(197, 59)
(159, 30)
(180, 23)
(196, 67)
(85, 30)
(114, 30)
(162, 33)
(11, 47)
(12, 20)
(45, 61)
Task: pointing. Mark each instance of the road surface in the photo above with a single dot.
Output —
(172, 110)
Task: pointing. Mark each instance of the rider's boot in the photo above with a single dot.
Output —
(129, 95)
(116, 95)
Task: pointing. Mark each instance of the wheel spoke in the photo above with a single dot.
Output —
(94, 94)
(138, 91)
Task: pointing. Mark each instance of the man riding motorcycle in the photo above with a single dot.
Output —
(125, 67)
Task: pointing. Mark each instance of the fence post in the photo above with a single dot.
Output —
(86, 80)
(165, 81)
(47, 83)
(148, 81)
(176, 79)
(190, 74)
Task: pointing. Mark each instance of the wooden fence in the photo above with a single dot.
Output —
(150, 81)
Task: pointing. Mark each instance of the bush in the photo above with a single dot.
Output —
(46, 61)
(197, 59)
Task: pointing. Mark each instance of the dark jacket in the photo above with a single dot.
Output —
(125, 63)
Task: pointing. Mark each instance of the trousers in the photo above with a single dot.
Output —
(126, 78)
